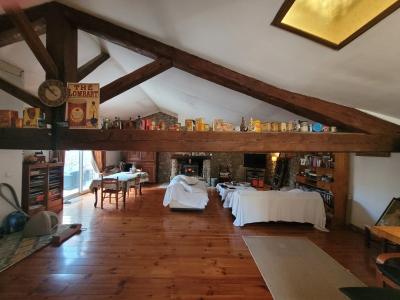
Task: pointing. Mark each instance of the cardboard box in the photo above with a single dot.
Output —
(8, 118)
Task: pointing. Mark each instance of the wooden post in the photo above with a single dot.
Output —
(62, 44)
(340, 188)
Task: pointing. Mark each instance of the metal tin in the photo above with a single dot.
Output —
(304, 126)
(317, 127)
(257, 126)
(283, 127)
(265, 127)
(199, 124)
(290, 126)
(189, 125)
(333, 129)
(275, 127)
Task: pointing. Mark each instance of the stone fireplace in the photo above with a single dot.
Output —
(197, 164)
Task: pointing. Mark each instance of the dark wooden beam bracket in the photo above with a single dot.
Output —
(92, 65)
(13, 35)
(22, 22)
(133, 79)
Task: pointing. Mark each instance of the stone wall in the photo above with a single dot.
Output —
(232, 160)
(164, 167)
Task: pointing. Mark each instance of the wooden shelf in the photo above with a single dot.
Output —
(42, 187)
(336, 210)
(182, 141)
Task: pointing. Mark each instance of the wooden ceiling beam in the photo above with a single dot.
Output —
(33, 13)
(177, 141)
(13, 35)
(22, 22)
(133, 79)
(24, 96)
(92, 65)
(346, 118)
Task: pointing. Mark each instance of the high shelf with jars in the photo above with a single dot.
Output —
(42, 187)
(328, 174)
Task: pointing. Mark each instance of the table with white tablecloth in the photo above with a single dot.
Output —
(126, 180)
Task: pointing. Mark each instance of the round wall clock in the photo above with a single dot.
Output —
(52, 93)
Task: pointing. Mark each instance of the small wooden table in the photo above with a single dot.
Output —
(389, 233)
(125, 179)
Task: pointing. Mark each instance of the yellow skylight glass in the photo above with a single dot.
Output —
(333, 20)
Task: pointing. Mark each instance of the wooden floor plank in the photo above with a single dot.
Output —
(149, 252)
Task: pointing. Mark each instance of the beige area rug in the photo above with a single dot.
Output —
(295, 268)
(15, 247)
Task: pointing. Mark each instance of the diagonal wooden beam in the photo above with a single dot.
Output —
(24, 96)
(33, 13)
(346, 118)
(133, 79)
(13, 35)
(92, 65)
(23, 24)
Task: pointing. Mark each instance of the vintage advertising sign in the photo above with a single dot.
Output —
(83, 101)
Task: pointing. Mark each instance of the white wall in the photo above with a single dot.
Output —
(113, 158)
(374, 181)
(10, 160)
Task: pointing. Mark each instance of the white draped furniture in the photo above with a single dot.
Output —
(186, 192)
(266, 206)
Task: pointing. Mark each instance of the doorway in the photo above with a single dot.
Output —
(78, 173)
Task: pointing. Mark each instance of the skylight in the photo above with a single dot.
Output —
(334, 23)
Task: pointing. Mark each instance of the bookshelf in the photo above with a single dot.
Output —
(328, 174)
(42, 187)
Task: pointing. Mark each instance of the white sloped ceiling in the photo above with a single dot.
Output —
(237, 34)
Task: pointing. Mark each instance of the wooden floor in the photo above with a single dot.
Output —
(147, 251)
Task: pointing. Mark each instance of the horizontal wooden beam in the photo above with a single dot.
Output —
(13, 35)
(133, 79)
(26, 138)
(22, 22)
(177, 141)
(24, 96)
(92, 65)
(313, 108)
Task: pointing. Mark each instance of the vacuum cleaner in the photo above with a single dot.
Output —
(42, 223)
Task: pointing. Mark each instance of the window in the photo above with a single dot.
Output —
(334, 23)
(78, 172)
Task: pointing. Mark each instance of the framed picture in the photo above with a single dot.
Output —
(83, 102)
(391, 215)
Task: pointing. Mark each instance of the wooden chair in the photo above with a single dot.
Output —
(136, 186)
(110, 187)
(388, 270)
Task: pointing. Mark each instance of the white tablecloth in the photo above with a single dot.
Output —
(126, 179)
(265, 206)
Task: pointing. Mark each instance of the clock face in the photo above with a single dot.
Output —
(52, 93)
